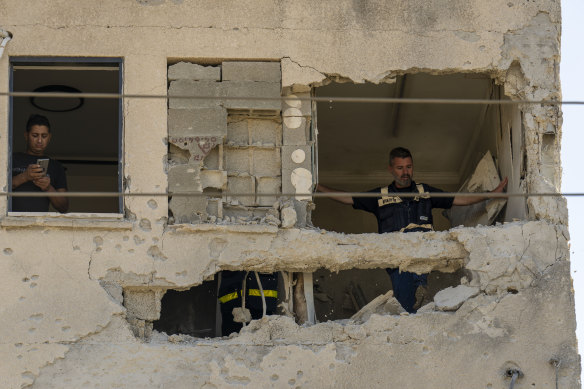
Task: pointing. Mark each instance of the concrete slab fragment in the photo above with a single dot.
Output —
(192, 71)
(450, 299)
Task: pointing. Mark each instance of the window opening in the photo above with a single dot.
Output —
(86, 133)
(447, 142)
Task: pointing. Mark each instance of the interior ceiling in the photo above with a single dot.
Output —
(354, 139)
(89, 133)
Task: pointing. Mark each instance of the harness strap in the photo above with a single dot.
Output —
(414, 225)
(251, 292)
(387, 199)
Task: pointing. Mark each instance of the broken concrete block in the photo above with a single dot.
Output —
(266, 162)
(215, 208)
(265, 131)
(141, 329)
(251, 71)
(450, 299)
(190, 209)
(296, 131)
(303, 213)
(384, 304)
(197, 121)
(242, 185)
(211, 160)
(142, 304)
(213, 179)
(237, 132)
(237, 161)
(192, 71)
(252, 89)
(184, 178)
(288, 217)
(194, 88)
(268, 185)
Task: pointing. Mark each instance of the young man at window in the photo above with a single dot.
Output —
(29, 176)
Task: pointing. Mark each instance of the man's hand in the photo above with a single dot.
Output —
(468, 200)
(501, 187)
(43, 182)
(32, 172)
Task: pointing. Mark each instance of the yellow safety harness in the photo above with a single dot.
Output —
(251, 292)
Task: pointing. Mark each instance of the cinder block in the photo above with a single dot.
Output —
(297, 102)
(190, 209)
(296, 157)
(252, 71)
(237, 132)
(265, 131)
(237, 161)
(198, 121)
(296, 130)
(184, 178)
(252, 89)
(213, 179)
(192, 71)
(266, 162)
(242, 185)
(268, 185)
(142, 304)
(194, 88)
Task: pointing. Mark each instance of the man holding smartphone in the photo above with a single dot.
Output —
(33, 171)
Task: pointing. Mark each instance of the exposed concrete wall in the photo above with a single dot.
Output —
(64, 280)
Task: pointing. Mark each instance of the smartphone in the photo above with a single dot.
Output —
(44, 163)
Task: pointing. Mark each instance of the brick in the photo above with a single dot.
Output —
(188, 209)
(192, 71)
(268, 185)
(198, 121)
(142, 304)
(296, 131)
(265, 131)
(194, 88)
(237, 132)
(184, 178)
(237, 160)
(252, 89)
(241, 212)
(266, 162)
(251, 71)
(242, 184)
(213, 179)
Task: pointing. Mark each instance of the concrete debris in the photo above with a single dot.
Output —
(241, 315)
(384, 304)
(288, 217)
(450, 299)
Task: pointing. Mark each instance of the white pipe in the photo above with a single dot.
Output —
(6, 37)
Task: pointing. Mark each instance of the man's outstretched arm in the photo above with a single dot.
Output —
(460, 200)
(341, 199)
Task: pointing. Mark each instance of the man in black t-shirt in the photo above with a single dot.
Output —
(28, 176)
(409, 214)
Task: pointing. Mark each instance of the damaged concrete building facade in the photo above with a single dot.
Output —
(123, 293)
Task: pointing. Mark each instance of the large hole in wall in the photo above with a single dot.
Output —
(448, 141)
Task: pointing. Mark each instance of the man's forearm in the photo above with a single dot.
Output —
(341, 199)
(18, 180)
(60, 203)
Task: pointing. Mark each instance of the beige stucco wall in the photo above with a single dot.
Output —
(60, 328)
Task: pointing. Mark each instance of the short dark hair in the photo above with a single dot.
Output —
(37, 120)
(399, 152)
